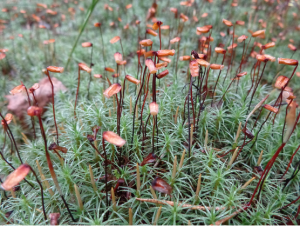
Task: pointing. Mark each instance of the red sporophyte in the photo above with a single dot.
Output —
(149, 159)
(153, 106)
(166, 52)
(113, 138)
(227, 23)
(184, 58)
(162, 74)
(150, 64)
(258, 33)
(216, 66)
(268, 45)
(151, 32)
(146, 42)
(287, 61)
(270, 108)
(54, 218)
(109, 69)
(112, 90)
(162, 186)
(194, 68)
(19, 174)
(16, 177)
(242, 38)
(132, 79)
(55, 70)
(114, 39)
(220, 50)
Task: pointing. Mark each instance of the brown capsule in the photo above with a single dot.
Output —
(151, 32)
(287, 61)
(156, 25)
(183, 17)
(55, 69)
(17, 89)
(161, 186)
(149, 53)
(54, 218)
(132, 79)
(174, 40)
(216, 66)
(86, 44)
(258, 170)
(97, 24)
(175, 11)
(54, 146)
(14, 178)
(270, 108)
(123, 62)
(34, 87)
(3, 50)
(248, 133)
(8, 118)
(165, 27)
(146, 42)
(150, 64)
(242, 38)
(109, 69)
(153, 106)
(42, 5)
(114, 39)
(112, 90)
(220, 50)
(240, 22)
(268, 45)
(165, 59)
(51, 12)
(241, 74)
(261, 58)
(165, 52)
(161, 65)
(118, 57)
(84, 67)
(204, 15)
(270, 58)
(97, 76)
(128, 6)
(288, 95)
(149, 159)
(194, 68)
(34, 111)
(281, 82)
(258, 33)
(184, 58)
(203, 29)
(227, 23)
(203, 63)
(113, 138)
(231, 47)
(292, 47)
(2, 55)
(162, 74)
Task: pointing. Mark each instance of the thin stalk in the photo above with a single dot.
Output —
(135, 106)
(12, 137)
(53, 107)
(51, 169)
(212, 100)
(42, 192)
(32, 120)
